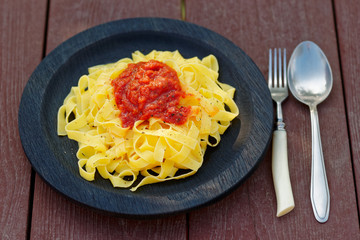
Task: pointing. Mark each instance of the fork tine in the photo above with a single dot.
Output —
(280, 70)
(270, 69)
(285, 70)
(275, 82)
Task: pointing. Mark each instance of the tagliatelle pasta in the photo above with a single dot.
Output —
(151, 150)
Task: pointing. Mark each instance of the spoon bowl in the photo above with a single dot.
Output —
(310, 77)
(310, 81)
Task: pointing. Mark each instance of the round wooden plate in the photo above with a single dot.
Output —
(225, 167)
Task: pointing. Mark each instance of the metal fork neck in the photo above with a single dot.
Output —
(280, 125)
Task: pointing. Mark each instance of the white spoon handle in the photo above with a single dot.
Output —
(319, 190)
(280, 171)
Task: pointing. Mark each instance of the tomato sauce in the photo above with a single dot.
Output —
(149, 89)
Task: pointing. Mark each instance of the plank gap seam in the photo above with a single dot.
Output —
(183, 9)
(33, 174)
(31, 203)
(345, 104)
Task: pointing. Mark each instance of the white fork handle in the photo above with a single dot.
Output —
(280, 172)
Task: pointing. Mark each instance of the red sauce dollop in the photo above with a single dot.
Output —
(149, 89)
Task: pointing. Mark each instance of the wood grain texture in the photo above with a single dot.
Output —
(21, 44)
(67, 18)
(256, 26)
(54, 217)
(348, 27)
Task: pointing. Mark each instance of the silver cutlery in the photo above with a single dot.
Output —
(280, 170)
(310, 81)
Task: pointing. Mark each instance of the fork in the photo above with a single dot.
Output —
(280, 170)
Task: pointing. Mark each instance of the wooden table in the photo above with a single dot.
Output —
(30, 209)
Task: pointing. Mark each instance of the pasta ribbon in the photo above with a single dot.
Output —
(152, 150)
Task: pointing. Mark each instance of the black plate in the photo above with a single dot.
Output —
(225, 167)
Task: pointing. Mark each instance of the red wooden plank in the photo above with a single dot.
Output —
(54, 217)
(256, 26)
(347, 21)
(68, 18)
(21, 26)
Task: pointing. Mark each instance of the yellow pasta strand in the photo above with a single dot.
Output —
(152, 149)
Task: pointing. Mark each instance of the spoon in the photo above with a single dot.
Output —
(310, 81)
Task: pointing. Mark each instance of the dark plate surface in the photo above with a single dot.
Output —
(225, 167)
